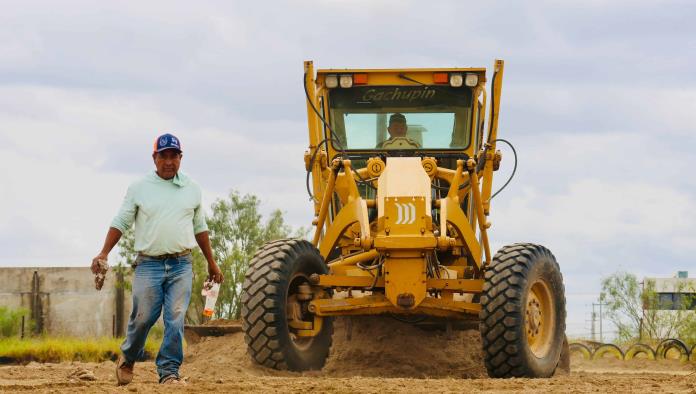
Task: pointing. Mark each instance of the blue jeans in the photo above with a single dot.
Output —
(158, 284)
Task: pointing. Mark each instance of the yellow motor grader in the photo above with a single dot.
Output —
(400, 170)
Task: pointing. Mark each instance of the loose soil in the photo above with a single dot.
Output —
(381, 356)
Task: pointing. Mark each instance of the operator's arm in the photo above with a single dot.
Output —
(214, 272)
(121, 223)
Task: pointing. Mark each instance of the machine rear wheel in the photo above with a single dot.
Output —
(522, 313)
(274, 294)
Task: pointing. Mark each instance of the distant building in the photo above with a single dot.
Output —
(677, 293)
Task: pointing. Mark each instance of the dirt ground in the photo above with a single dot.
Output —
(382, 356)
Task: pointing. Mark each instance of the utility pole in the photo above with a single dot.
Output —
(594, 318)
(601, 331)
(588, 320)
(119, 319)
(642, 315)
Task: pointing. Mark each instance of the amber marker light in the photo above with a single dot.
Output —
(440, 78)
(359, 79)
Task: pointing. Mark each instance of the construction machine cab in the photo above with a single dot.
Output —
(442, 108)
(438, 106)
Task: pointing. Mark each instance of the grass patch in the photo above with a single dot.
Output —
(57, 349)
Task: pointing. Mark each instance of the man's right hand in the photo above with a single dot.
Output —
(95, 262)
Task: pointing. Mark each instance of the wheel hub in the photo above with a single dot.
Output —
(533, 317)
(302, 324)
(539, 319)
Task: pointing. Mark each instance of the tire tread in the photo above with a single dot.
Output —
(501, 312)
(261, 297)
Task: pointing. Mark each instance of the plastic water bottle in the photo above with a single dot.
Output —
(210, 291)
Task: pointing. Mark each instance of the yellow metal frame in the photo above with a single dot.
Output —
(385, 260)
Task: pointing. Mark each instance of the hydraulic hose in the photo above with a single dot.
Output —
(514, 169)
(311, 164)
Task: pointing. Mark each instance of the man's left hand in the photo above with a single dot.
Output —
(214, 273)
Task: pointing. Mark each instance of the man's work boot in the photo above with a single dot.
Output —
(173, 379)
(124, 371)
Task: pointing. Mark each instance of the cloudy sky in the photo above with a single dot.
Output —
(599, 98)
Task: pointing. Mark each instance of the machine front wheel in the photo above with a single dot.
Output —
(522, 313)
(275, 317)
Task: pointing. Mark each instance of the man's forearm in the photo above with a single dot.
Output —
(204, 243)
(112, 238)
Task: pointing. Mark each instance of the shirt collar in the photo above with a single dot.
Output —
(180, 179)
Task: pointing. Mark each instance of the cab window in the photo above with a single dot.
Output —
(437, 117)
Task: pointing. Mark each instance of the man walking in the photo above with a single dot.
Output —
(165, 207)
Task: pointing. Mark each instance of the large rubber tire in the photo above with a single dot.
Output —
(514, 278)
(271, 273)
(672, 343)
(584, 351)
(638, 348)
(608, 348)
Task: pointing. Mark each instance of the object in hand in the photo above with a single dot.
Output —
(210, 290)
(100, 275)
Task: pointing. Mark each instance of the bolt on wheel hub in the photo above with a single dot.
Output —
(539, 318)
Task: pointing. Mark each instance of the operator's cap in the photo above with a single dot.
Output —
(167, 141)
(397, 117)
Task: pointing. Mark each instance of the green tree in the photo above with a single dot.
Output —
(638, 312)
(622, 294)
(237, 230)
(126, 248)
(687, 332)
(127, 256)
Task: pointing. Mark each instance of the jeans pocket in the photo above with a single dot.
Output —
(137, 261)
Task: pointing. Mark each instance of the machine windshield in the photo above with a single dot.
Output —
(401, 117)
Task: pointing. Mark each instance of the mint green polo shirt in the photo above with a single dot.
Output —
(167, 214)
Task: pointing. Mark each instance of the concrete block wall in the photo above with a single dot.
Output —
(67, 300)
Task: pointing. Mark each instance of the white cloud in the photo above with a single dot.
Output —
(54, 213)
(595, 211)
(68, 155)
(601, 202)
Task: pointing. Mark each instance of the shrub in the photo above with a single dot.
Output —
(11, 321)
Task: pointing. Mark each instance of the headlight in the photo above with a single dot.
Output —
(346, 81)
(331, 81)
(456, 80)
(471, 80)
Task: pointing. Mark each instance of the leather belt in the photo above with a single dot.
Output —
(167, 256)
